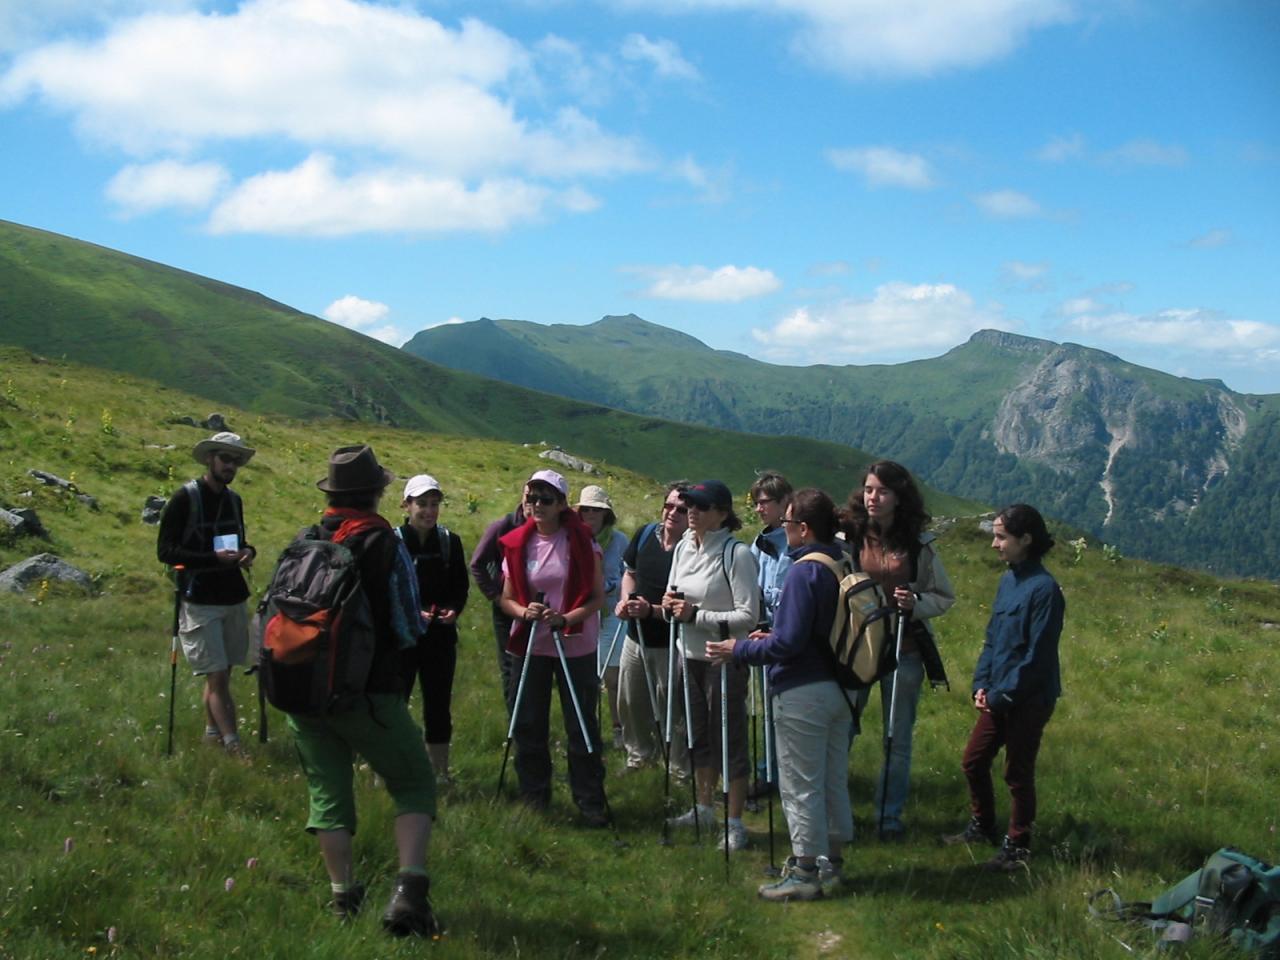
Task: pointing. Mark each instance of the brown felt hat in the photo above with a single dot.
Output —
(355, 469)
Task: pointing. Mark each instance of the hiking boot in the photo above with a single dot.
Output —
(595, 819)
(1010, 858)
(973, 832)
(700, 816)
(737, 837)
(760, 789)
(797, 883)
(830, 874)
(409, 911)
(346, 905)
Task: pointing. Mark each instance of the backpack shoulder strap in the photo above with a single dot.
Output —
(195, 510)
(443, 533)
(646, 534)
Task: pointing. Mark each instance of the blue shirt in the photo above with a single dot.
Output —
(1019, 660)
(771, 553)
(798, 648)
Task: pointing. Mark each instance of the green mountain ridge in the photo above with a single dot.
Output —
(61, 297)
(1169, 468)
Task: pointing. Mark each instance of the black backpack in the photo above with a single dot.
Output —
(318, 640)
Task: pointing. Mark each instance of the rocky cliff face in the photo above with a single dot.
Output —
(1087, 421)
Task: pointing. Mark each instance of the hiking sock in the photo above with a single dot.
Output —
(737, 822)
(211, 732)
(231, 741)
(338, 888)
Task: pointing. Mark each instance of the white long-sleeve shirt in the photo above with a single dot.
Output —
(723, 595)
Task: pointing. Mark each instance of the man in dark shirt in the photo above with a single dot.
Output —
(202, 531)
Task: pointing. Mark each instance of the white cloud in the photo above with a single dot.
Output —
(831, 268)
(1190, 339)
(355, 312)
(1033, 277)
(663, 55)
(899, 321)
(362, 315)
(1062, 149)
(1080, 306)
(26, 23)
(1147, 153)
(884, 166)
(1214, 238)
(920, 37)
(143, 188)
(343, 78)
(1192, 329)
(312, 199)
(727, 284)
(1007, 205)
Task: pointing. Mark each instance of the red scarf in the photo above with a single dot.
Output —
(354, 522)
(580, 580)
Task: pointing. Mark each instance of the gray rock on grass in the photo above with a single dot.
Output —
(52, 480)
(23, 522)
(568, 460)
(152, 509)
(43, 566)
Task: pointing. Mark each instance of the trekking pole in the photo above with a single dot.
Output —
(604, 667)
(666, 753)
(893, 715)
(769, 761)
(755, 730)
(173, 651)
(724, 747)
(515, 706)
(688, 727)
(573, 693)
(612, 646)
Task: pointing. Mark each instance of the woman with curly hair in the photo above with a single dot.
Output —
(885, 527)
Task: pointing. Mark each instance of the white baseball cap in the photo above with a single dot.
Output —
(420, 484)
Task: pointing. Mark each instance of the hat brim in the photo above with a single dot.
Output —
(207, 448)
(387, 479)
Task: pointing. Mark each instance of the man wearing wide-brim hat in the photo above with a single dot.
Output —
(202, 534)
(379, 727)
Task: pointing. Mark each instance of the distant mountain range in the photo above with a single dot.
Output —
(1180, 470)
(61, 297)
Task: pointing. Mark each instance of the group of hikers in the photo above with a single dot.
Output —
(670, 624)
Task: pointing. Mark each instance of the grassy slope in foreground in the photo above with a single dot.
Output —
(1161, 750)
(63, 297)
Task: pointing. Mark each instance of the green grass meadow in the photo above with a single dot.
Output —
(1164, 747)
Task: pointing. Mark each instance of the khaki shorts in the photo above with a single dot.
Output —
(214, 636)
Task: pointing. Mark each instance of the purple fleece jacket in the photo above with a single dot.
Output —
(796, 650)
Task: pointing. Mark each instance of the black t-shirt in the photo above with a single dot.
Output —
(652, 566)
(439, 584)
(205, 579)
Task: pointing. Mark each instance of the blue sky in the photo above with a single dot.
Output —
(841, 181)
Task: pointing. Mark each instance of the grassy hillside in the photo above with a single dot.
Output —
(1133, 455)
(64, 298)
(1161, 750)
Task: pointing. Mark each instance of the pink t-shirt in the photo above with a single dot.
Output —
(547, 567)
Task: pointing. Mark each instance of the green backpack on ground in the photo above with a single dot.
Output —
(1233, 896)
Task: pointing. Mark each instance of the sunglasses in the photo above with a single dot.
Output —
(539, 499)
(679, 508)
(230, 458)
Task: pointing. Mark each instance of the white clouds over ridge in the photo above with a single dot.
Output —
(314, 199)
(727, 284)
(142, 188)
(897, 321)
(362, 315)
(428, 109)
